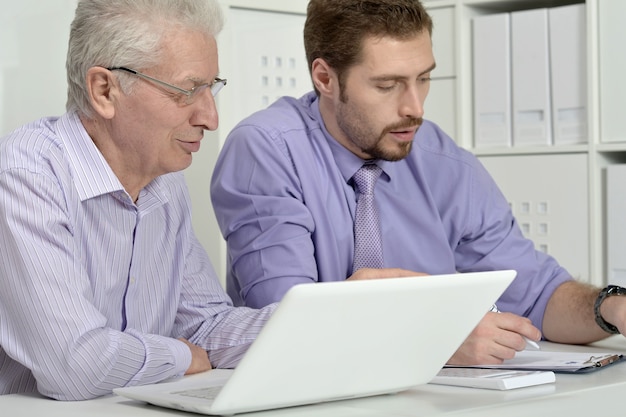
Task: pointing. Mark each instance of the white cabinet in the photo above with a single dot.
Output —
(261, 54)
(566, 179)
(549, 198)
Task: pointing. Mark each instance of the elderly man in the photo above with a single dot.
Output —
(102, 281)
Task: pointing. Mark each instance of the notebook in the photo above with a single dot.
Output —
(340, 340)
(498, 379)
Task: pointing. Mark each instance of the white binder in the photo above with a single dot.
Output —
(568, 64)
(615, 225)
(530, 78)
(612, 67)
(492, 80)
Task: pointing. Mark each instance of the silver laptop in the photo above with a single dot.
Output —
(340, 340)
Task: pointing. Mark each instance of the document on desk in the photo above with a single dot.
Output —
(564, 362)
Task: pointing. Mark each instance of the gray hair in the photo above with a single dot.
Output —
(114, 33)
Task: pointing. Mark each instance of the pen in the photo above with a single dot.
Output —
(530, 344)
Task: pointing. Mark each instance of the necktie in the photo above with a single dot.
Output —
(368, 246)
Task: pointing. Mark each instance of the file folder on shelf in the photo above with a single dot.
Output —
(530, 78)
(615, 225)
(492, 80)
(612, 67)
(568, 65)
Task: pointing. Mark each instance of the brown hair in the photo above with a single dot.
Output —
(335, 29)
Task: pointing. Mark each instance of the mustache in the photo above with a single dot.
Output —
(411, 122)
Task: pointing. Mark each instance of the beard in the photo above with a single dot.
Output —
(389, 150)
(359, 130)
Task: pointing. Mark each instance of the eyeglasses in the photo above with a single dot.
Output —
(191, 95)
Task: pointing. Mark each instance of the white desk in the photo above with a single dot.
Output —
(596, 394)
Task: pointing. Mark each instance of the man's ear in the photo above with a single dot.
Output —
(324, 77)
(103, 91)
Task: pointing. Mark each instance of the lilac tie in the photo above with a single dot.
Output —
(368, 245)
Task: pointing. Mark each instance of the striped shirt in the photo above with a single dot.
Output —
(95, 289)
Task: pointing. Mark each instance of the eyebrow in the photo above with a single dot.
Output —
(197, 80)
(397, 77)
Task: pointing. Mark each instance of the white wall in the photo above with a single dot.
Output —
(33, 44)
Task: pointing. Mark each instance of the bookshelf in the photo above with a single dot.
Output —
(571, 178)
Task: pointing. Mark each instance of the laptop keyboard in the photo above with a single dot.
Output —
(208, 393)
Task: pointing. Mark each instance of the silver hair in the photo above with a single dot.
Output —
(114, 33)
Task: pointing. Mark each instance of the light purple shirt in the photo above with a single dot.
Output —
(94, 289)
(285, 204)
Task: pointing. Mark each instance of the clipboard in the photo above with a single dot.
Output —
(560, 362)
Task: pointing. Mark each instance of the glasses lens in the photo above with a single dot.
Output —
(217, 85)
(195, 93)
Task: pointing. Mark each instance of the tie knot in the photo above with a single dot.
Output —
(365, 178)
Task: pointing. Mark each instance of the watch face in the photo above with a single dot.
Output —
(616, 290)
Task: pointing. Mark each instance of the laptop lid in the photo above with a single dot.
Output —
(348, 339)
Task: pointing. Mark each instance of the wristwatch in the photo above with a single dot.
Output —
(607, 292)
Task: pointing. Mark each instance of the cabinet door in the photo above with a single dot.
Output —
(261, 53)
(549, 197)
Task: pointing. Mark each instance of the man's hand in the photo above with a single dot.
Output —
(199, 359)
(497, 337)
(373, 273)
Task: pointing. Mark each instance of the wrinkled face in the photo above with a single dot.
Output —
(381, 104)
(154, 130)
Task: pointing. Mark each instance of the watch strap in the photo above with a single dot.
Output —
(606, 292)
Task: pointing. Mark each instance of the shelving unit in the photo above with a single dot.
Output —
(606, 143)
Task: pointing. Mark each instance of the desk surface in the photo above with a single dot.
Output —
(598, 393)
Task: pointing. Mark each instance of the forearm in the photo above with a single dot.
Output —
(569, 315)
(206, 316)
(72, 364)
(230, 334)
(111, 360)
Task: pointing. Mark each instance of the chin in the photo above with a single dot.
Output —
(395, 153)
(181, 165)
